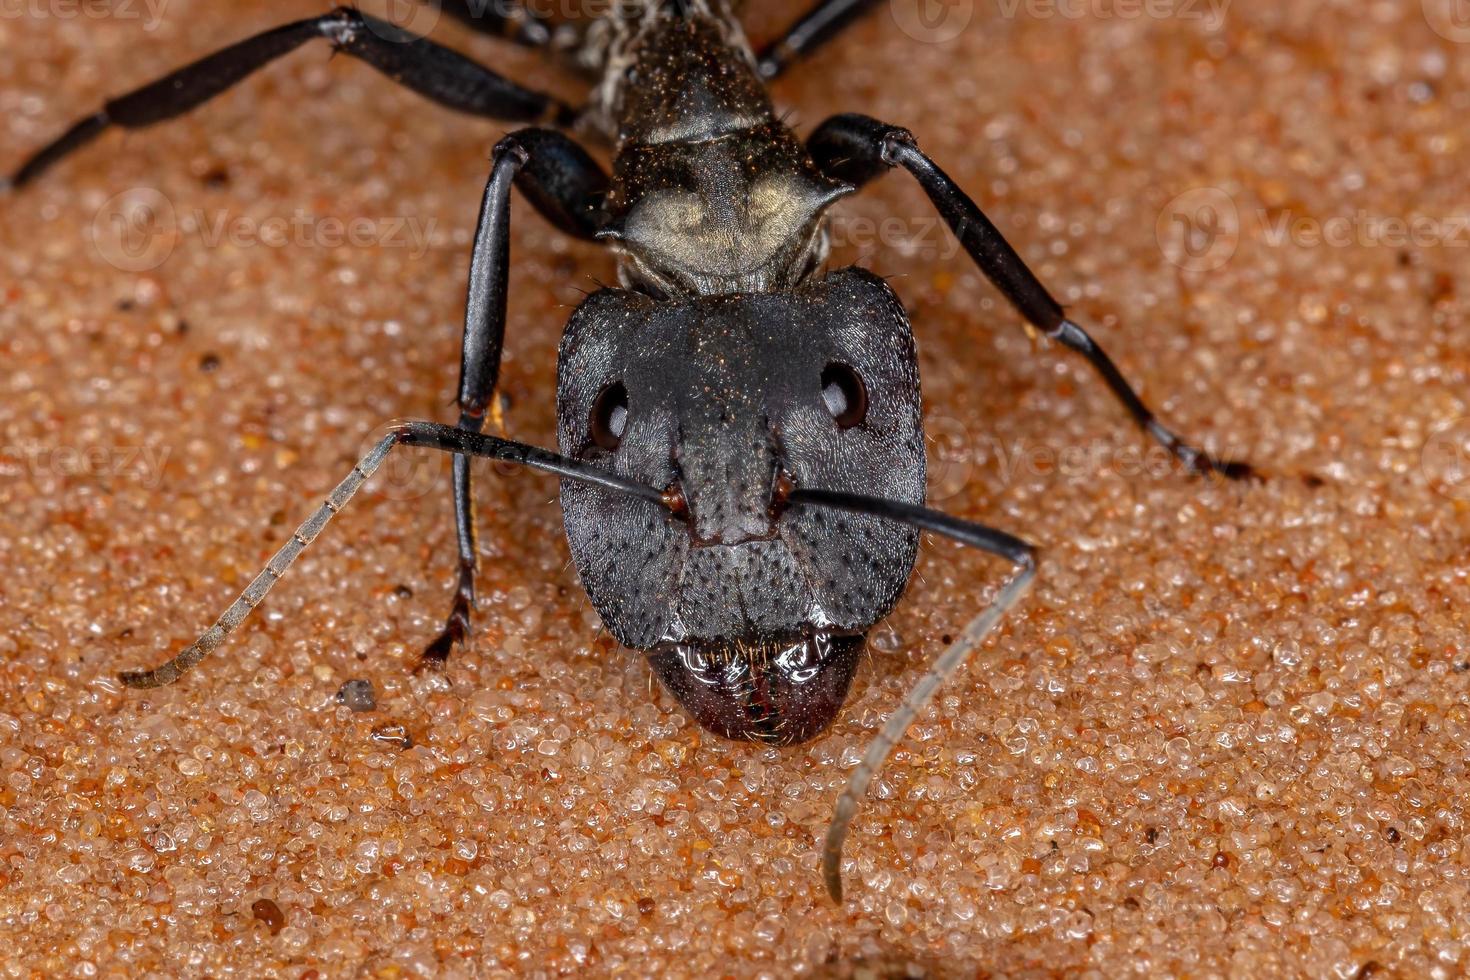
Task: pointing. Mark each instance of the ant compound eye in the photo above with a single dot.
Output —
(610, 416)
(845, 395)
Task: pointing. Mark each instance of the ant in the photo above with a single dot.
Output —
(741, 439)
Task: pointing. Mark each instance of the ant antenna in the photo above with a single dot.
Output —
(424, 434)
(988, 539)
(468, 443)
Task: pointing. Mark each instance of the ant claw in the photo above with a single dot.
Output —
(1231, 469)
(436, 654)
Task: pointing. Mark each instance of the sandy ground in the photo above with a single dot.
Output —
(1225, 736)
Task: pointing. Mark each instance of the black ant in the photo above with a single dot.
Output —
(742, 451)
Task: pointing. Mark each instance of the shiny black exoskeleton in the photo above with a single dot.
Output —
(741, 440)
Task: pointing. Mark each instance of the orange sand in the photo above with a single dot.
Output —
(1225, 736)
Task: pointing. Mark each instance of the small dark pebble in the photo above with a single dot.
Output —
(645, 905)
(946, 639)
(1462, 667)
(403, 592)
(393, 734)
(1220, 860)
(358, 695)
(1393, 835)
(209, 363)
(270, 913)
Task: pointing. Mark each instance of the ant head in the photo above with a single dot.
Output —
(752, 609)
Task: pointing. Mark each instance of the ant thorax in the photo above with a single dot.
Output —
(712, 193)
(725, 233)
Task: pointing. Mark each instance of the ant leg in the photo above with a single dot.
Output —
(566, 186)
(432, 70)
(821, 23)
(856, 148)
(423, 434)
(1006, 546)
